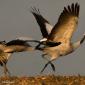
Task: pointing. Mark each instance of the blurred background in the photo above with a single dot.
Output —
(17, 21)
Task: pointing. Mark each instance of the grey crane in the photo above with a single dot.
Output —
(8, 48)
(62, 32)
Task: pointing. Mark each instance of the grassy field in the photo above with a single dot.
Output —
(43, 80)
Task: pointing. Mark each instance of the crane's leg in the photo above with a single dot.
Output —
(6, 70)
(52, 65)
(49, 62)
(82, 40)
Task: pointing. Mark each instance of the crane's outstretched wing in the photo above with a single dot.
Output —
(66, 24)
(17, 42)
(45, 26)
(18, 46)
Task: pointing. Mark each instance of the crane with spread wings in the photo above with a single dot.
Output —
(61, 32)
(8, 48)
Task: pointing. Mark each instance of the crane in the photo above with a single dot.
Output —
(8, 48)
(62, 32)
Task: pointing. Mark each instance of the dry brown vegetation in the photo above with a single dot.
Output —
(43, 80)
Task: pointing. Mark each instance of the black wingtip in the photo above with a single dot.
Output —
(72, 9)
(35, 10)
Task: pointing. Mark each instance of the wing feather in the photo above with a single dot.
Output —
(45, 26)
(66, 24)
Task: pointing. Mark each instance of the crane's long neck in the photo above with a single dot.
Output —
(78, 43)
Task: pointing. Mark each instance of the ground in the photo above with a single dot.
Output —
(43, 80)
